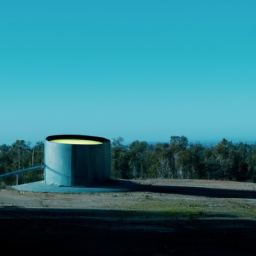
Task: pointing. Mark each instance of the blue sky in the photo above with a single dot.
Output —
(143, 70)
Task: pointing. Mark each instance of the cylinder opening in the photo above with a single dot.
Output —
(77, 142)
(77, 139)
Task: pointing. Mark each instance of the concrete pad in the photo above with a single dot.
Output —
(41, 186)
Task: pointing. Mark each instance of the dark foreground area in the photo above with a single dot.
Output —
(106, 232)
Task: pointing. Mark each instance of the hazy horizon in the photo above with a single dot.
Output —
(126, 143)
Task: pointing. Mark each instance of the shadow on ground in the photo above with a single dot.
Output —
(191, 191)
(115, 232)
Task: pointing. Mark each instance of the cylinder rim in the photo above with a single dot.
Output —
(74, 136)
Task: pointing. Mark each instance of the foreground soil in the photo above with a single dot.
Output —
(158, 217)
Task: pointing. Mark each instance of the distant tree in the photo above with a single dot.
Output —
(181, 141)
(163, 169)
(197, 152)
(137, 157)
(118, 158)
(118, 142)
(251, 160)
(242, 171)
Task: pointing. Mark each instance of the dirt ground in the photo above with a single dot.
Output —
(158, 217)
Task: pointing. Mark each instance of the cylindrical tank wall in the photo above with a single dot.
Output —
(76, 165)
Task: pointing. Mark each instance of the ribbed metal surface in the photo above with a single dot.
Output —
(76, 165)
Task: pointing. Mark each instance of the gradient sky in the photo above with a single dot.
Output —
(140, 69)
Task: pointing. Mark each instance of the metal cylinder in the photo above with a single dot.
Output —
(76, 164)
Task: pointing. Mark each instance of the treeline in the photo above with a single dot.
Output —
(180, 159)
(177, 159)
(21, 155)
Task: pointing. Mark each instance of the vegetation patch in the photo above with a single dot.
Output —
(173, 210)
